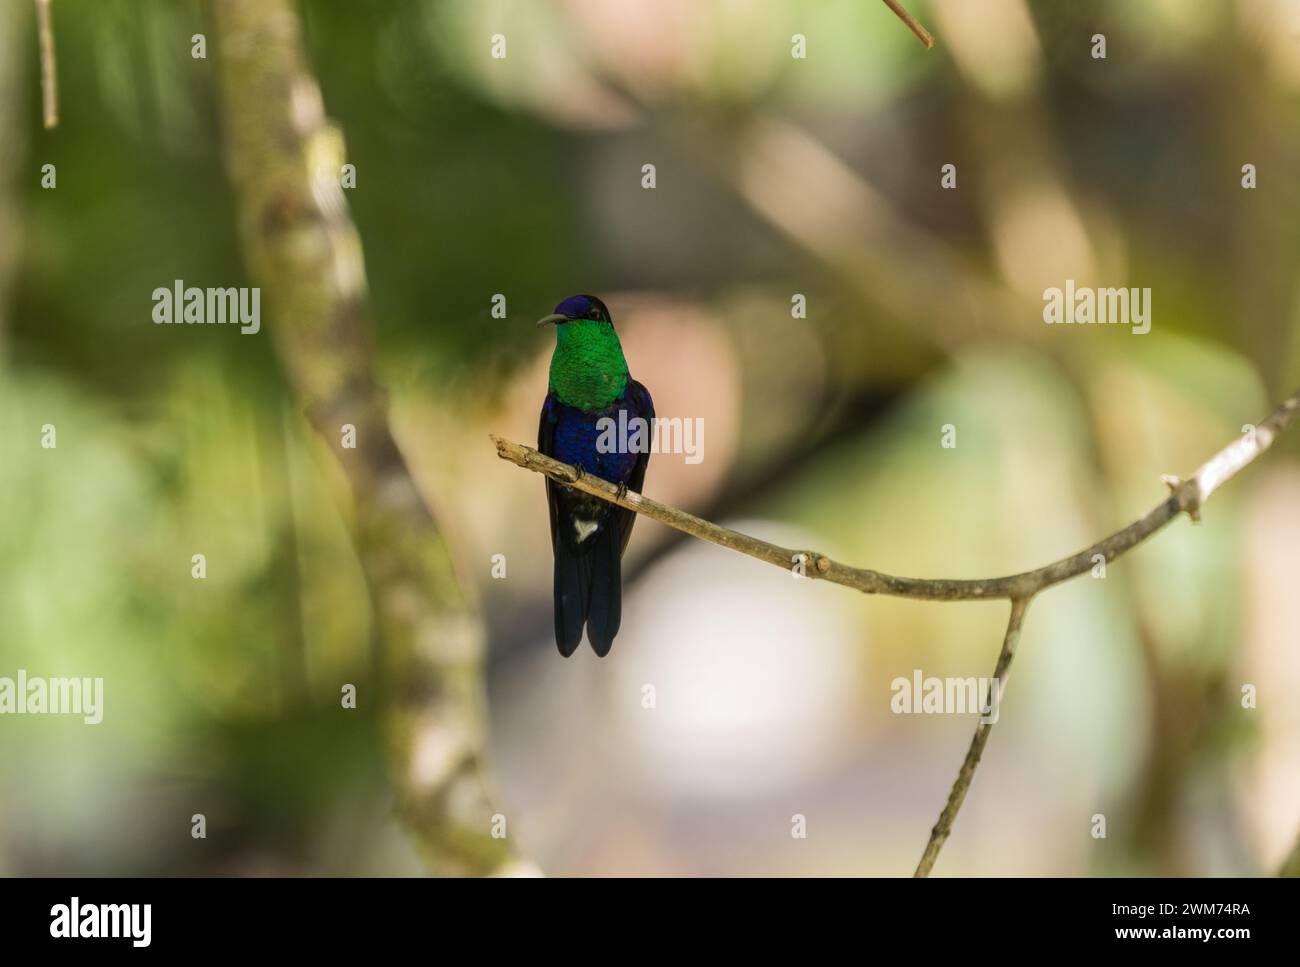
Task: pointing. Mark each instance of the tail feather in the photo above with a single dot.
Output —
(572, 596)
(605, 604)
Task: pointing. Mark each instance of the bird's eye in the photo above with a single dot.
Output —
(593, 313)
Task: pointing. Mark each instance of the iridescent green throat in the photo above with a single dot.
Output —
(588, 369)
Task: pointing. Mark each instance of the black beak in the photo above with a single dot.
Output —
(555, 318)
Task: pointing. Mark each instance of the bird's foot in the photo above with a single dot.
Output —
(578, 473)
(622, 491)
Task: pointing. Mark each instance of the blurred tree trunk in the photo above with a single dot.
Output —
(284, 160)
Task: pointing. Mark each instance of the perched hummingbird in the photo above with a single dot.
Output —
(590, 383)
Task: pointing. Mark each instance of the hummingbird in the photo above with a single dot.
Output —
(589, 386)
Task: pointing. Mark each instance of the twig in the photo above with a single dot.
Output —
(939, 835)
(1186, 496)
(49, 71)
(922, 34)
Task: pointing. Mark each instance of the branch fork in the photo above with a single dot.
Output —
(1185, 496)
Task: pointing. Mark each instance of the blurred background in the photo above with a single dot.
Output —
(776, 176)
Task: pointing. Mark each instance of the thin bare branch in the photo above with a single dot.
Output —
(1186, 496)
(49, 70)
(939, 835)
(923, 35)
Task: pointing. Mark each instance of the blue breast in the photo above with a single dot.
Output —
(578, 440)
